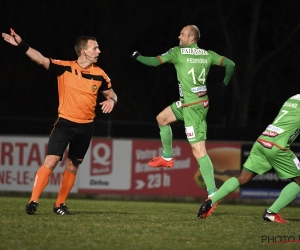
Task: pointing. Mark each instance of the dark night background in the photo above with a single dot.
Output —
(261, 37)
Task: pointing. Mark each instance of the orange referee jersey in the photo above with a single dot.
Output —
(78, 89)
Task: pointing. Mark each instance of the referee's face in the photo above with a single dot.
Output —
(92, 52)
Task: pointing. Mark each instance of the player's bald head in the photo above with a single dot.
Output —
(194, 31)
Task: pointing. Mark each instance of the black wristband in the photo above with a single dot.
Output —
(115, 101)
(23, 46)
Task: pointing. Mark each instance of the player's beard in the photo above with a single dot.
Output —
(182, 43)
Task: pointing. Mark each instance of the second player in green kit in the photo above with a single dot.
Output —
(270, 151)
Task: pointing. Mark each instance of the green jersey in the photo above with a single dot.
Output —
(286, 126)
(192, 66)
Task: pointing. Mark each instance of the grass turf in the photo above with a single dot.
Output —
(111, 224)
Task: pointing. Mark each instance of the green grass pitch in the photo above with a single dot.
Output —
(142, 225)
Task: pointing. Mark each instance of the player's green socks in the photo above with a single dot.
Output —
(207, 171)
(166, 137)
(287, 195)
(228, 187)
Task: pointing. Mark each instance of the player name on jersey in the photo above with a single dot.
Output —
(290, 104)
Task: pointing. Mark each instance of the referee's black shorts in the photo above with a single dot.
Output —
(76, 135)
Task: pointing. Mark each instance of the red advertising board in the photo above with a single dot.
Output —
(113, 166)
(127, 171)
(184, 179)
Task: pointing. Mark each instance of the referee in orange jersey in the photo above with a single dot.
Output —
(78, 85)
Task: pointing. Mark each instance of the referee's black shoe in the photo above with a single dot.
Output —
(61, 210)
(31, 207)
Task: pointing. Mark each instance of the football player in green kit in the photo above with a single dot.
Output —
(271, 150)
(192, 65)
